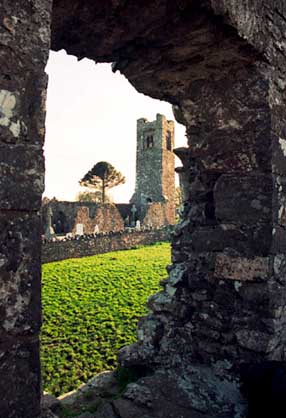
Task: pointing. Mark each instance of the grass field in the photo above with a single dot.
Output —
(91, 308)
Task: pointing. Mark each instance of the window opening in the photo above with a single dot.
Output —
(149, 142)
(169, 141)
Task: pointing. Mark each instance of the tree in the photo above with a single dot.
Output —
(95, 197)
(102, 176)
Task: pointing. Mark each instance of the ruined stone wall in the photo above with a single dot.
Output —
(64, 214)
(24, 46)
(159, 214)
(106, 217)
(68, 214)
(88, 245)
(223, 69)
(223, 302)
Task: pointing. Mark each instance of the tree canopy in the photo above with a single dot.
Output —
(101, 177)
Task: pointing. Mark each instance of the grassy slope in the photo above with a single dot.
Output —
(91, 308)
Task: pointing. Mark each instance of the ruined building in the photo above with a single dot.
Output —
(221, 313)
(153, 202)
(155, 167)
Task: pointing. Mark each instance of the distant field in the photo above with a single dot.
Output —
(90, 309)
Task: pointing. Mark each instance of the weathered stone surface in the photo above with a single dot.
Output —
(197, 392)
(140, 395)
(25, 28)
(20, 378)
(159, 214)
(244, 239)
(20, 288)
(106, 217)
(21, 177)
(253, 340)
(87, 245)
(47, 413)
(224, 70)
(24, 49)
(222, 137)
(237, 268)
(105, 411)
(244, 199)
(279, 268)
(50, 402)
(103, 384)
(22, 122)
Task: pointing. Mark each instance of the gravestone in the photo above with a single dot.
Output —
(79, 229)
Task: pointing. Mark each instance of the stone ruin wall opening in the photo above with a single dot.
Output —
(222, 69)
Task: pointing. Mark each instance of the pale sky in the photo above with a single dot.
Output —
(91, 117)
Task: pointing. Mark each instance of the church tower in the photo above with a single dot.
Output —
(155, 164)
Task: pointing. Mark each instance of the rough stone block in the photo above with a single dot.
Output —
(20, 287)
(105, 411)
(20, 379)
(279, 268)
(25, 29)
(247, 240)
(50, 402)
(244, 199)
(22, 121)
(254, 340)
(21, 177)
(242, 269)
(242, 154)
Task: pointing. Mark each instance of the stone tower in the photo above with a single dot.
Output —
(155, 165)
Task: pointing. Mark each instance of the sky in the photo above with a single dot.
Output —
(91, 117)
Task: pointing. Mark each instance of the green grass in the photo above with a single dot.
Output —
(91, 308)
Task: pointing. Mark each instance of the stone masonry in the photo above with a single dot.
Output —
(106, 219)
(24, 48)
(155, 164)
(221, 312)
(88, 245)
(154, 196)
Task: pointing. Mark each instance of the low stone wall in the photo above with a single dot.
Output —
(88, 245)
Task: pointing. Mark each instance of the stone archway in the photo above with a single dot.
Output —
(220, 63)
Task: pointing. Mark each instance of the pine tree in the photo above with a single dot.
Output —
(102, 176)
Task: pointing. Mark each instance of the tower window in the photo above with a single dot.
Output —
(149, 142)
(169, 141)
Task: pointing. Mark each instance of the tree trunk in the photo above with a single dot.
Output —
(103, 191)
